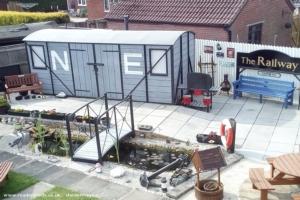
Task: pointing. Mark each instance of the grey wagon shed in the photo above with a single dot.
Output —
(150, 65)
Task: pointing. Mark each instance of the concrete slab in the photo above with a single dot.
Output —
(90, 185)
(255, 144)
(50, 174)
(33, 168)
(113, 192)
(6, 156)
(284, 135)
(20, 161)
(137, 194)
(276, 148)
(68, 178)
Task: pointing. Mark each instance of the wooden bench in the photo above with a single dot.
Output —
(259, 182)
(4, 169)
(264, 87)
(22, 83)
(296, 196)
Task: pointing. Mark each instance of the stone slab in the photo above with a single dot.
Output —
(68, 178)
(50, 174)
(138, 194)
(6, 156)
(33, 168)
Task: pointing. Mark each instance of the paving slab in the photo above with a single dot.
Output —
(50, 174)
(68, 178)
(113, 192)
(6, 156)
(141, 195)
(34, 191)
(33, 168)
(90, 185)
(19, 161)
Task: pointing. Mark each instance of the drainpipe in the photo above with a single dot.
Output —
(227, 29)
(126, 21)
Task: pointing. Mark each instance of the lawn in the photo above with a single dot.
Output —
(16, 182)
(59, 193)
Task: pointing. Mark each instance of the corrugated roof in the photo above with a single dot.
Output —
(204, 12)
(105, 36)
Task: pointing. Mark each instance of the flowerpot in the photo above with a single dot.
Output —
(24, 113)
(55, 116)
(209, 194)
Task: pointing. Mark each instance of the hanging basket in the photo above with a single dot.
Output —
(209, 190)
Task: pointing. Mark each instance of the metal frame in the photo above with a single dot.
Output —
(111, 112)
(32, 60)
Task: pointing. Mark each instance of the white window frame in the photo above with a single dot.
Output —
(38, 57)
(161, 68)
(82, 2)
(106, 7)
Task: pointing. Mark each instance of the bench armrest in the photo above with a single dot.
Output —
(40, 82)
(292, 90)
(236, 83)
(6, 87)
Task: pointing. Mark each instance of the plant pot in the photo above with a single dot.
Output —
(201, 194)
(87, 120)
(24, 113)
(3, 110)
(54, 116)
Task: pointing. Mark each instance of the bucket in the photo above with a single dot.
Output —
(205, 191)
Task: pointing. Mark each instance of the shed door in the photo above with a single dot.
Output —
(109, 75)
(84, 74)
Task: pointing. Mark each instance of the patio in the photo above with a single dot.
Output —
(262, 129)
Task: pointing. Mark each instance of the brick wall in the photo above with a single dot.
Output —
(212, 33)
(273, 13)
(95, 9)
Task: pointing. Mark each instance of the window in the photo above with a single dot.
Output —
(254, 34)
(107, 4)
(38, 57)
(158, 62)
(82, 2)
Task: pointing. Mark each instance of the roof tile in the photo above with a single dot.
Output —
(212, 12)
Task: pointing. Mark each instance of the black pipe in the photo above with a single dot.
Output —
(126, 21)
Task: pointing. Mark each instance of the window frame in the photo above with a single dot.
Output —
(150, 59)
(253, 30)
(81, 4)
(32, 60)
(108, 5)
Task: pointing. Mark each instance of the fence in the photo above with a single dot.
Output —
(224, 54)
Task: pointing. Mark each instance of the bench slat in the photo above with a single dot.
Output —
(4, 169)
(259, 181)
(296, 196)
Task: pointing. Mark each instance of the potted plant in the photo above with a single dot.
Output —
(18, 112)
(4, 106)
(53, 115)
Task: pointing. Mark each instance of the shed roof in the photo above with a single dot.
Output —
(105, 36)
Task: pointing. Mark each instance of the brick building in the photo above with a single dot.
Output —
(255, 21)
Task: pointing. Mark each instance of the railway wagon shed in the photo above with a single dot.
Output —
(150, 65)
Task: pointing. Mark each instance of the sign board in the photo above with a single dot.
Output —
(269, 60)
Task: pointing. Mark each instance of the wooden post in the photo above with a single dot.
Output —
(264, 195)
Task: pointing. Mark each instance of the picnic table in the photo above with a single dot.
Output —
(287, 169)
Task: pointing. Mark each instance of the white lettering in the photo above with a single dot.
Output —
(64, 64)
(128, 64)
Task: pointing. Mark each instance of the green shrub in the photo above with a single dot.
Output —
(14, 18)
(4, 103)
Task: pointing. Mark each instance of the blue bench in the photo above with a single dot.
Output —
(264, 87)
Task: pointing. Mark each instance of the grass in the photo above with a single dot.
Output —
(16, 182)
(59, 193)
